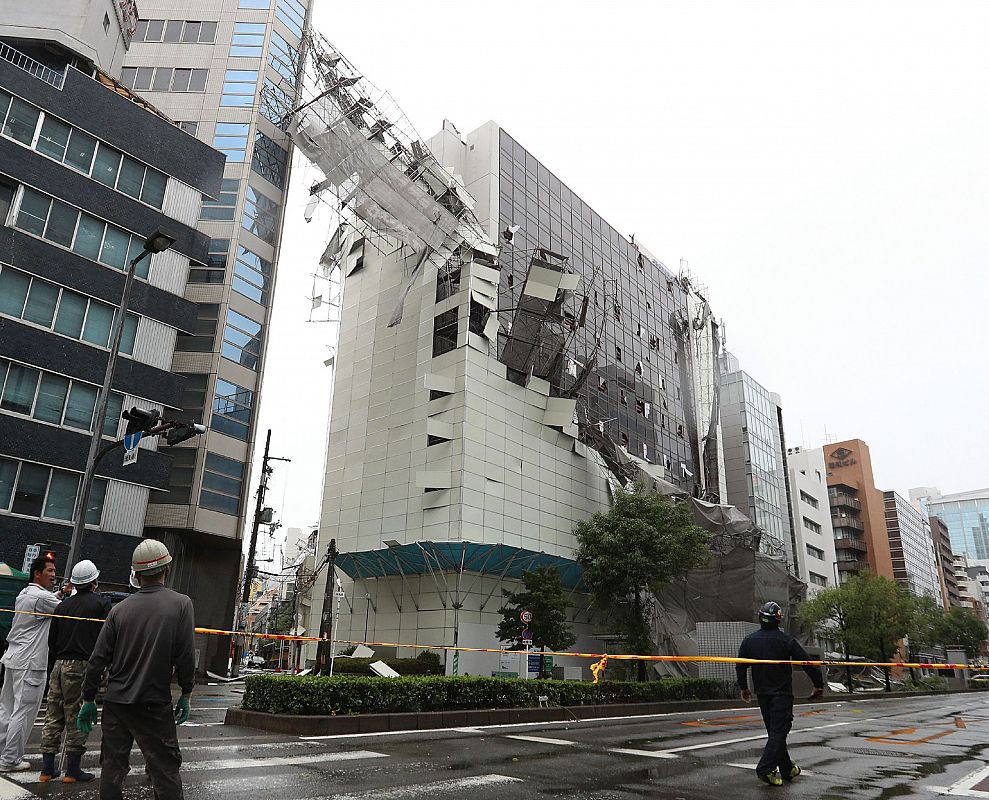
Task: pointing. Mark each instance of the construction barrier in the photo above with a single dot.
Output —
(593, 656)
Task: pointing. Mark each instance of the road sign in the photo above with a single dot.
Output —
(131, 442)
(526, 617)
(526, 635)
(31, 552)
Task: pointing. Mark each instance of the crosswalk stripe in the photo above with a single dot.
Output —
(244, 763)
(11, 791)
(427, 789)
(541, 739)
(626, 751)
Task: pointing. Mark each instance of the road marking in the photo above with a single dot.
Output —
(247, 763)
(891, 739)
(11, 791)
(467, 730)
(425, 789)
(540, 740)
(717, 722)
(625, 751)
(705, 745)
(739, 765)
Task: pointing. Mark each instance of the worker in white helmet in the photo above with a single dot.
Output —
(146, 637)
(71, 642)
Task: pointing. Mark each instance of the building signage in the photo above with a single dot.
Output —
(843, 458)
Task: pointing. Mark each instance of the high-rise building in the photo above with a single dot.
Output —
(227, 71)
(857, 510)
(945, 563)
(911, 547)
(755, 456)
(460, 450)
(88, 170)
(965, 513)
(814, 544)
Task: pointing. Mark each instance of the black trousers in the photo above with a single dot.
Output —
(777, 714)
(153, 728)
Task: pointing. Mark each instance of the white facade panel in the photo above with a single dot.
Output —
(182, 202)
(154, 343)
(124, 508)
(169, 271)
(811, 511)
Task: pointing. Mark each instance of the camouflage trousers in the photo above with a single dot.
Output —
(64, 702)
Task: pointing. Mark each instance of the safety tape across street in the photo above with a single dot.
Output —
(557, 654)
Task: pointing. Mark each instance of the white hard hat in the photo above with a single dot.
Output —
(84, 572)
(150, 555)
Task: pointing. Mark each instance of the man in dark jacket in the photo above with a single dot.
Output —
(71, 643)
(773, 685)
(145, 638)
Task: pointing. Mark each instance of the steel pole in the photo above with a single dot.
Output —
(103, 401)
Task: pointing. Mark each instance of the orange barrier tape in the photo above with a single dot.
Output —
(595, 656)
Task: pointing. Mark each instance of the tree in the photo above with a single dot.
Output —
(544, 597)
(828, 615)
(630, 553)
(962, 628)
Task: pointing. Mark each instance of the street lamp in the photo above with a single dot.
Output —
(159, 241)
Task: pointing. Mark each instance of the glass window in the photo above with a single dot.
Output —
(80, 151)
(128, 77)
(61, 225)
(143, 78)
(239, 87)
(8, 474)
(230, 138)
(131, 177)
(293, 14)
(191, 32)
(156, 29)
(207, 33)
(51, 398)
(98, 321)
(71, 314)
(22, 119)
(128, 334)
(19, 389)
(269, 160)
(115, 244)
(54, 138)
(61, 494)
(275, 104)
(107, 165)
(114, 408)
(232, 410)
(255, 4)
(248, 39)
(89, 237)
(283, 58)
(222, 484)
(197, 83)
(173, 30)
(33, 211)
(41, 302)
(94, 512)
(260, 215)
(80, 406)
(29, 496)
(180, 81)
(153, 191)
(241, 340)
(251, 275)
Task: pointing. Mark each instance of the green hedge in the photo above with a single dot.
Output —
(287, 694)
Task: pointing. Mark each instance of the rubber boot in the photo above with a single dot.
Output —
(48, 770)
(73, 773)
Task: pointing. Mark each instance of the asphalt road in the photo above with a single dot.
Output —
(923, 747)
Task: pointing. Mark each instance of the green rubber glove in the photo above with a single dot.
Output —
(182, 710)
(86, 718)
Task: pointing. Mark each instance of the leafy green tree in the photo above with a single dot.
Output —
(544, 597)
(828, 615)
(630, 553)
(963, 628)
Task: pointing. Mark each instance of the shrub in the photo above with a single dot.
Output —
(403, 666)
(286, 694)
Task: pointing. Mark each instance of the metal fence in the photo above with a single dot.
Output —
(29, 65)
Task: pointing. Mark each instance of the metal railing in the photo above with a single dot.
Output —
(839, 499)
(32, 67)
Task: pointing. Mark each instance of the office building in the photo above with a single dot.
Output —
(911, 547)
(87, 171)
(227, 72)
(755, 457)
(814, 540)
(965, 513)
(858, 515)
(950, 591)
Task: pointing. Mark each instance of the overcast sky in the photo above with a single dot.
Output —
(823, 168)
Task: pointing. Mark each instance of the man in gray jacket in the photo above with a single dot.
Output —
(26, 663)
(145, 638)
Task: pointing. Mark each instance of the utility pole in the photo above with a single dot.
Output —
(326, 619)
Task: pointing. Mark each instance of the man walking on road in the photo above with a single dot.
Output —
(145, 637)
(773, 685)
(71, 642)
(26, 662)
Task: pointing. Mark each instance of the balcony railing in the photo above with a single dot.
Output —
(29, 65)
(849, 543)
(859, 565)
(847, 522)
(843, 500)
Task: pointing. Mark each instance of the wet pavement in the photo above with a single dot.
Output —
(925, 747)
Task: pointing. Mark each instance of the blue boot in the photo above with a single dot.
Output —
(48, 768)
(73, 773)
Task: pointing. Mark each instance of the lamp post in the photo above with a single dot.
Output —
(337, 596)
(157, 242)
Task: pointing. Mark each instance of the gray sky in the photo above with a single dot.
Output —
(823, 168)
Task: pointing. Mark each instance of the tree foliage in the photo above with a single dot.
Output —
(543, 595)
(963, 628)
(630, 553)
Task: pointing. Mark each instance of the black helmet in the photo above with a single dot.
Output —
(771, 613)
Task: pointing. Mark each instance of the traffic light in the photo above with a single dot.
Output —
(183, 431)
(141, 419)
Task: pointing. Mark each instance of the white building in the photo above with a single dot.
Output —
(811, 512)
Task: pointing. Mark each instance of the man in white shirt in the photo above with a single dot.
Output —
(26, 663)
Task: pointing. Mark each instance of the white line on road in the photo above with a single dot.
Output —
(11, 791)
(705, 745)
(541, 740)
(645, 753)
(247, 763)
(428, 789)
(963, 788)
